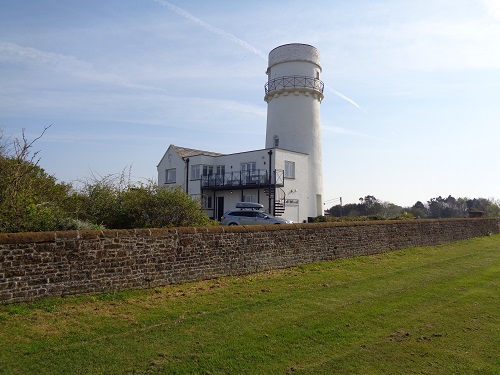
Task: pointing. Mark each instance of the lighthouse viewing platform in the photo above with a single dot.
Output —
(280, 84)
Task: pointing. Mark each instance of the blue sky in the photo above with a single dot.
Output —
(411, 108)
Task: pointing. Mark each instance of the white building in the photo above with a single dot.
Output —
(286, 177)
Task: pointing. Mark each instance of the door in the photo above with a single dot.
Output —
(220, 207)
(248, 170)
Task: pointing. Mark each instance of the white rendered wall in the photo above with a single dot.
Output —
(293, 115)
(169, 161)
(232, 163)
(295, 189)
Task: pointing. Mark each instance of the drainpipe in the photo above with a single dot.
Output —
(187, 174)
(271, 211)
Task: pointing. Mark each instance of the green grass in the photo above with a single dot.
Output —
(433, 310)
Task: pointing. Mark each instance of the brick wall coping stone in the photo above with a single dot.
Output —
(41, 237)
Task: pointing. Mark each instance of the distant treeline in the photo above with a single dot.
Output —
(434, 208)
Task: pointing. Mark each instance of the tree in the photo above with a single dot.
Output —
(493, 209)
(418, 210)
(436, 206)
(390, 210)
(30, 199)
(479, 204)
(369, 205)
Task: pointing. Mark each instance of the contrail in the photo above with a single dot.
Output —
(234, 39)
(213, 29)
(342, 96)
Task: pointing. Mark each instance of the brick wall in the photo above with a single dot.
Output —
(35, 265)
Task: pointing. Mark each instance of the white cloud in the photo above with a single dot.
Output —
(493, 7)
(11, 52)
(428, 36)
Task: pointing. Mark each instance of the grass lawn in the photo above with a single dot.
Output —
(432, 310)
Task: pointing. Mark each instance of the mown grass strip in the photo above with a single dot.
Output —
(424, 310)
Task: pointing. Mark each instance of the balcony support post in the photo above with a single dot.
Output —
(271, 211)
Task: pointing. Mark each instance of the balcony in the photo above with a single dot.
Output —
(243, 179)
(294, 82)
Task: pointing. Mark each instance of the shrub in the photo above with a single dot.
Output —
(114, 202)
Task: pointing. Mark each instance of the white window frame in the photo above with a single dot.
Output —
(247, 171)
(170, 176)
(201, 170)
(208, 170)
(249, 167)
(196, 171)
(220, 170)
(207, 202)
(289, 169)
(250, 198)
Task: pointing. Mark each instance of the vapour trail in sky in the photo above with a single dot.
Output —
(235, 39)
(342, 96)
(213, 29)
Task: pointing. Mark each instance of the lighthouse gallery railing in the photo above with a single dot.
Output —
(294, 82)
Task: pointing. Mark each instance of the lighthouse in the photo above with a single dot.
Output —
(285, 178)
(294, 93)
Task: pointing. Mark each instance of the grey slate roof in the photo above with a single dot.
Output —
(188, 152)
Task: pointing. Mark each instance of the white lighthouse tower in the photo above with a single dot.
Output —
(294, 93)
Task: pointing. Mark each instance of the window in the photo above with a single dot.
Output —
(206, 201)
(248, 167)
(276, 141)
(208, 170)
(250, 198)
(220, 170)
(196, 172)
(199, 170)
(289, 169)
(243, 213)
(170, 176)
(248, 172)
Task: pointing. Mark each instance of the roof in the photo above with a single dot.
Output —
(188, 152)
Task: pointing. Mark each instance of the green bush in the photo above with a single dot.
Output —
(117, 204)
(32, 201)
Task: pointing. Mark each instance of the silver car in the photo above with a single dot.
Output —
(250, 217)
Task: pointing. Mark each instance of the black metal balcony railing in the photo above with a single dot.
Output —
(294, 82)
(243, 179)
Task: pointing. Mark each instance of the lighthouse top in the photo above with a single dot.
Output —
(294, 52)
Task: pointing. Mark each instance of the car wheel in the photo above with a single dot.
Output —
(232, 224)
